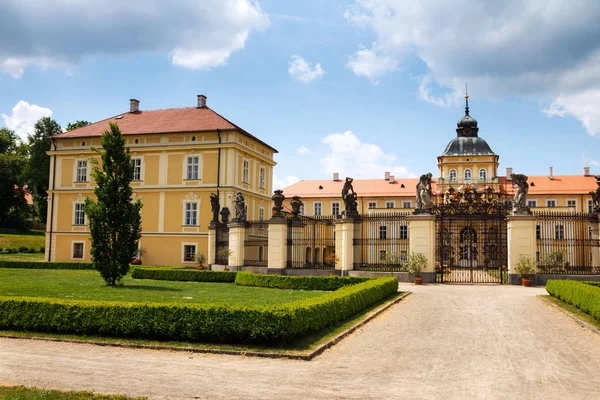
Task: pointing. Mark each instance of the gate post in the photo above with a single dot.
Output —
(277, 236)
(596, 242)
(344, 244)
(237, 235)
(521, 242)
(212, 244)
(422, 240)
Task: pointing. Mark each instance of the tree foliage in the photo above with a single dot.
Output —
(77, 124)
(115, 220)
(13, 156)
(37, 171)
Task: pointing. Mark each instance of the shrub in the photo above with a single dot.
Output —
(180, 274)
(526, 266)
(32, 250)
(199, 322)
(583, 295)
(23, 249)
(327, 283)
(45, 265)
(42, 249)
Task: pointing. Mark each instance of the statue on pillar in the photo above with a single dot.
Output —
(225, 215)
(350, 199)
(296, 203)
(240, 208)
(214, 207)
(596, 196)
(520, 201)
(278, 198)
(424, 195)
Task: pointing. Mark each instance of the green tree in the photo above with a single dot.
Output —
(77, 124)
(115, 220)
(37, 171)
(13, 156)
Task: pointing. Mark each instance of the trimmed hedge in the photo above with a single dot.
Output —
(326, 283)
(200, 322)
(582, 295)
(45, 265)
(185, 275)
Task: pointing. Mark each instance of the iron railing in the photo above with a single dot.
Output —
(256, 244)
(311, 242)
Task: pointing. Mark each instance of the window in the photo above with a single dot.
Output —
(467, 175)
(301, 209)
(389, 204)
(403, 232)
(79, 218)
(137, 169)
(318, 209)
(78, 250)
(550, 203)
(189, 253)
(261, 214)
(261, 178)
(482, 175)
(572, 203)
(246, 172)
(403, 255)
(383, 232)
(559, 232)
(590, 206)
(407, 204)
(191, 214)
(538, 232)
(81, 171)
(335, 209)
(452, 175)
(372, 205)
(261, 255)
(193, 164)
(531, 203)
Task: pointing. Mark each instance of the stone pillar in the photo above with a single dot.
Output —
(422, 240)
(344, 244)
(237, 235)
(521, 242)
(212, 245)
(596, 239)
(277, 257)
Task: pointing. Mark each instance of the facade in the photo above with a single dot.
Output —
(181, 156)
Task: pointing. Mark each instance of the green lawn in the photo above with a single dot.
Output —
(25, 393)
(22, 257)
(34, 239)
(87, 285)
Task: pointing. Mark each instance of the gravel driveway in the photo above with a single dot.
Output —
(442, 342)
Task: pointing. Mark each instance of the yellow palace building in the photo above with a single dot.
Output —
(181, 156)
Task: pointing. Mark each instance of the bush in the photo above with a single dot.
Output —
(327, 283)
(583, 295)
(42, 249)
(180, 274)
(45, 265)
(200, 322)
(23, 249)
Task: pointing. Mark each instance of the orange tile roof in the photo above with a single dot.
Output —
(560, 184)
(171, 120)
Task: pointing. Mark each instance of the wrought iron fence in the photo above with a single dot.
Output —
(566, 243)
(222, 245)
(256, 244)
(381, 242)
(311, 242)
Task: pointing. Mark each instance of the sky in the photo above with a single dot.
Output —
(357, 87)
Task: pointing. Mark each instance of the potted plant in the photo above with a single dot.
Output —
(200, 260)
(526, 267)
(554, 261)
(224, 254)
(414, 265)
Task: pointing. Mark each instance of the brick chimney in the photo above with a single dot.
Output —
(509, 173)
(551, 176)
(201, 101)
(586, 171)
(387, 175)
(336, 176)
(134, 105)
(392, 179)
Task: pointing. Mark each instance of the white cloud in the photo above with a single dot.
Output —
(587, 161)
(351, 157)
(303, 71)
(584, 106)
(196, 34)
(303, 150)
(497, 47)
(23, 118)
(284, 182)
(371, 63)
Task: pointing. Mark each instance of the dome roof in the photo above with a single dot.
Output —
(468, 146)
(467, 121)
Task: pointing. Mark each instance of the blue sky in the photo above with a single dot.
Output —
(356, 87)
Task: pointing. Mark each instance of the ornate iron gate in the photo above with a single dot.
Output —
(222, 245)
(311, 241)
(256, 244)
(471, 236)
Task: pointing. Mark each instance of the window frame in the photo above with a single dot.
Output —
(315, 204)
(392, 202)
(83, 167)
(534, 201)
(484, 174)
(548, 203)
(403, 232)
(559, 232)
(590, 204)
(190, 176)
(261, 213)
(335, 204)
(79, 213)
(573, 206)
(246, 171)
(452, 175)
(77, 242)
(383, 232)
(262, 173)
(405, 202)
(134, 160)
(470, 179)
(183, 252)
(195, 211)
(374, 203)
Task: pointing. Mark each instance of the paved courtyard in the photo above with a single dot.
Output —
(442, 342)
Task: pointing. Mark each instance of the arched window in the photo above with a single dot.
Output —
(482, 175)
(467, 175)
(452, 175)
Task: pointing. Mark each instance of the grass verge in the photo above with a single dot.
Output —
(22, 257)
(572, 311)
(305, 348)
(32, 239)
(29, 393)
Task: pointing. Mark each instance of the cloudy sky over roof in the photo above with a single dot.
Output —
(355, 87)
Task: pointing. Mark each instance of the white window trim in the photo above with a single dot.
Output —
(567, 203)
(406, 201)
(141, 158)
(374, 202)
(555, 203)
(392, 202)
(185, 202)
(536, 202)
(185, 167)
(338, 207)
(87, 170)
(315, 208)
(73, 242)
(485, 174)
(183, 252)
(261, 210)
(407, 232)
(84, 215)
(450, 175)
(262, 181)
(246, 181)
(465, 175)
(590, 205)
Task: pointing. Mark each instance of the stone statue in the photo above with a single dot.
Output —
(350, 199)
(240, 207)
(424, 195)
(520, 200)
(596, 196)
(215, 207)
(296, 203)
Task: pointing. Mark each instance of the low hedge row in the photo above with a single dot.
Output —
(180, 274)
(194, 323)
(327, 283)
(582, 295)
(22, 249)
(45, 265)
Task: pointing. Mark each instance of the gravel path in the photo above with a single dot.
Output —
(442, 342)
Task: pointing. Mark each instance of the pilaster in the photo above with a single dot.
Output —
(212, 244)
(521, 241)
(344, 243)
(422, 238)
(237, 234)
(277, 257)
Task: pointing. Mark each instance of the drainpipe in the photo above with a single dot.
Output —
(52, 201)
(219, 163)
